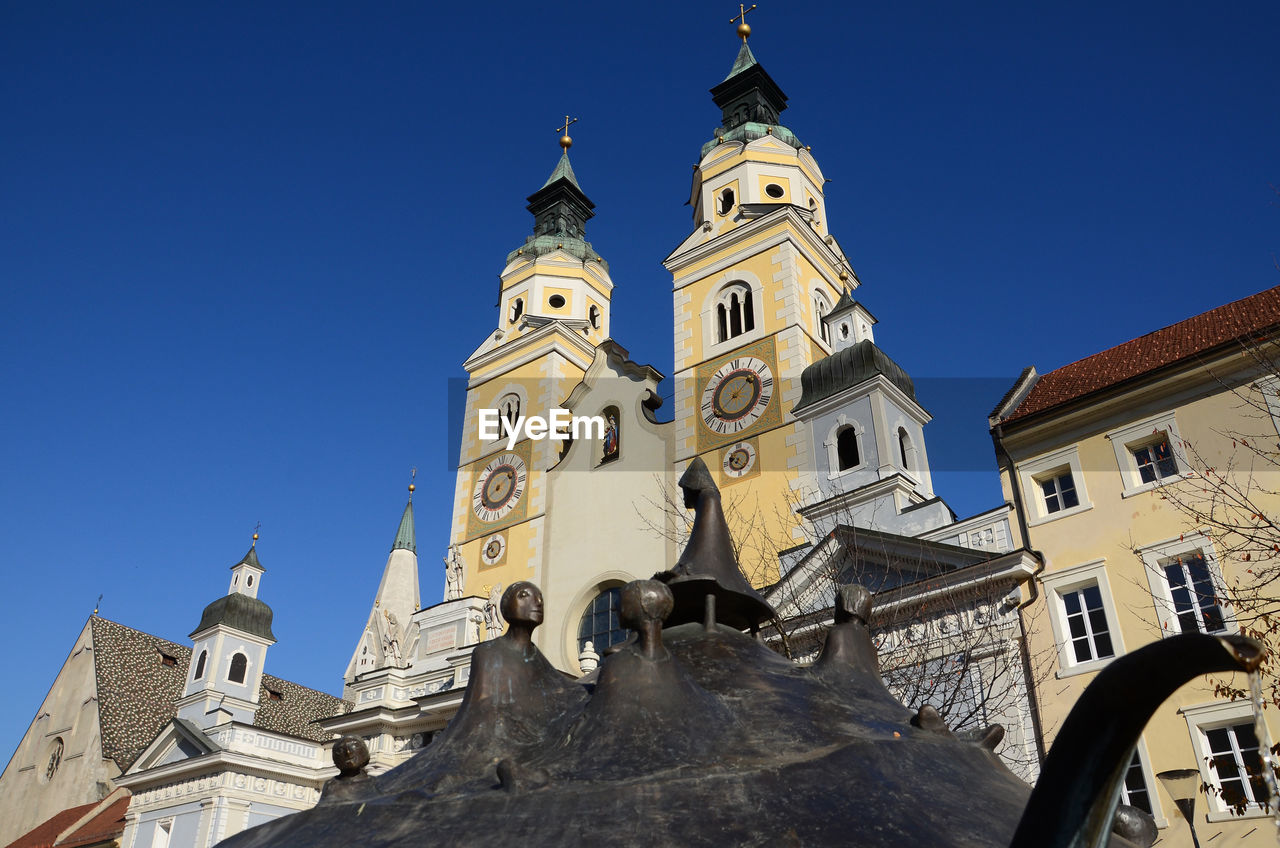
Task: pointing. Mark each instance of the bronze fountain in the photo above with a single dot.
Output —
(695, 733)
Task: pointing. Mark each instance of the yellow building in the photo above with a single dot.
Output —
(1105, 460)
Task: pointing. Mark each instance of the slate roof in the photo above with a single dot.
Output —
(849, 367)
(1184, 341)
(137, 690)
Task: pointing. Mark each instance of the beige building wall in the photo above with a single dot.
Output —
(1119, 538)
(59, 763)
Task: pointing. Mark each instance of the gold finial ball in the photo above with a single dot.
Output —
(566, 142)
(744, 30)
(844, 278)
(411, 488)
(255, 537)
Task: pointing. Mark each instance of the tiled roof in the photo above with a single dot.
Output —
(137, 690)
(1183, 341)
(108, 824)
(42, 835)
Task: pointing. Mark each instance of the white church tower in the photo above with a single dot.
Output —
(229, 651)
(389, 639)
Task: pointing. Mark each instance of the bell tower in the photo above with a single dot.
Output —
(752, 284)
(553, 312)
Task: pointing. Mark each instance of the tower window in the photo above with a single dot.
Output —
(593, 314)
(735, 312)
(726, 202)
(820, 309)
(509, 410)
(774, 190)
(204, 657)
(239, 667)
(905, 450)
(847, 448)
(517, 309)
(556, 301)
(248, 581)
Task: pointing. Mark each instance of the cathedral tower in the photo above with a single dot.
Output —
(553, 312)
(752, 284)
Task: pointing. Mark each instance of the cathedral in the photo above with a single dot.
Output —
(813, 434)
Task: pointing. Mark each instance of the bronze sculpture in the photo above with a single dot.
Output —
(697, 734)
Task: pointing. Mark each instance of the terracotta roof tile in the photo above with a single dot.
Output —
(136, 692)
(42, 835)
(108, 824)
(1242, 319)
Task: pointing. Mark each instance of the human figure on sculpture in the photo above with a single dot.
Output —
(453, 574)
(514, 702)
(492, 612)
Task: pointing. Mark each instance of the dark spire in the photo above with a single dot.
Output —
(748, 94)
(560, 208)
(404, 535)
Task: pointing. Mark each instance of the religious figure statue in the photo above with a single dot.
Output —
(611, 438)
(493, 613)
(453, 574)
(391, 639)
(475, 628)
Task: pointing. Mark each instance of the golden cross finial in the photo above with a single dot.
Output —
(565, 141)
(256, 528)
(744, 29)
(97, 604)
(413, 473)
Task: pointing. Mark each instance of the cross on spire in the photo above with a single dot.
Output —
(413, 473)
(565, 141)
(744, 29)
(256, 528)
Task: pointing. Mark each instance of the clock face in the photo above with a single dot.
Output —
(737, 395)
(499, 486)
(739, 459)
(494, 546)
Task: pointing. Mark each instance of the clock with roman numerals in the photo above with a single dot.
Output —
(499, 486)
(737, 395)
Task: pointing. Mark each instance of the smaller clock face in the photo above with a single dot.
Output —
(737, 395)
(739, 459)
(493, 548)
(499, 486)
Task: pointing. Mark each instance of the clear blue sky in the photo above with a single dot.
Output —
(243, 247)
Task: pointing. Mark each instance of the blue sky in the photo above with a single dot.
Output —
(244, 247)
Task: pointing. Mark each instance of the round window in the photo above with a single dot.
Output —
(556, 301)
(774, 190)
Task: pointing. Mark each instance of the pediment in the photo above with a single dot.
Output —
(179, 740)
(770, 144)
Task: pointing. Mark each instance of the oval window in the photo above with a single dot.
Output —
(556, 301)
(774, 190)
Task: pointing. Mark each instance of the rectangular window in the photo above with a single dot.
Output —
(1059, 493)
(1193, 594)
(1236, 764)
(1087, 624)
(1134, 790)
(1155, 461)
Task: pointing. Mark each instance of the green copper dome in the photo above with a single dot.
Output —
(240, 612)
(847, 368)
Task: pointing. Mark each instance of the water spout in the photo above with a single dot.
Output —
(1075, 799)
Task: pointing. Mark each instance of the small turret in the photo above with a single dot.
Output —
(229, 651)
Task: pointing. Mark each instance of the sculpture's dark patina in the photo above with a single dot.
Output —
(696, 734)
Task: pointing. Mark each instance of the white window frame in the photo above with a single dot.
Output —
(1125, 440)
(831, 443)
(1201, 718)
(1069, 580)
(1269, 388)
(821, 309)
(1162, 596)
(1149, 778)
(1054, 464)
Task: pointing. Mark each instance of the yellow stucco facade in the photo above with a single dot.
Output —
(1099, 482)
